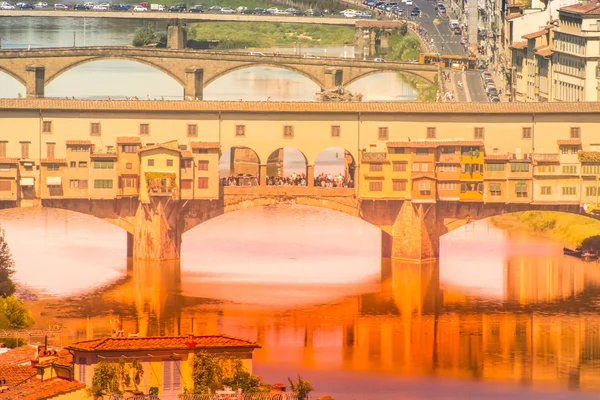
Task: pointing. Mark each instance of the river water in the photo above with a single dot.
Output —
(118, 78)
(499, 316)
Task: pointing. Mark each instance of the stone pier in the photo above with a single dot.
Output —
(158, 232)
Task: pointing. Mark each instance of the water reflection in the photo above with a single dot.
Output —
(357, 326)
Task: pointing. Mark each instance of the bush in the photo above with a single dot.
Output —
(403, 29)
(144, 36)
(7, 268)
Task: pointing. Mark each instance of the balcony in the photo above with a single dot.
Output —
(520, 157)
(161, 183)
(449, 159)
(546, 158)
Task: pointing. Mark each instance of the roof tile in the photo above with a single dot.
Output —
(78, 142)
(53, 161)
(103, 155)
(374, 156)
(18, 355)
(9, 160)
(129, 139)
(205, 145)
(162, 342)
(496, 157)
(569, 142)
(186, 154)
(519, 45)
(534, 35)
(590, 8)
(436, 143)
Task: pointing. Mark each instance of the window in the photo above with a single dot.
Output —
(171, 375)
(416, 167)
(546, 168)
(50, 149)
(399, 186)
(375, 186)
(564, 150)
(187, 163)
(192, 130)
(104, 164)
(52, 167)
(399, 166)
(95, 129)
(422, 152)
(25, 150)
(591, 169)
(519, 167)
(73, 164)
(202, 165)
(144, 129)
(129, 148)
(128, 182)
(425, 187)
(5, 185)
(240, 131)
(288, 131)
(495, 167)
(79, 149)
(383, 133)
(78, 184)
(447, 185)
(424, 167)
(186, 184)
(129, 166)
(82, 164)
(3, 149)
(448, 149)
(336, 131)
(82, 364)
(447, 167)
(478, 134)
(521, 189)
(569, 190)
(200, 151)
(569, 169)
(375, 167)
(590, 191)
(495, 189)
(575, 133)
(151, 162)
(526, 133)
(430, 133)
(103, 184)
(397, 150)
(47, 127)
(471, 168)
(182, 147)
(546, 190)
(169, 163)
(202, 183)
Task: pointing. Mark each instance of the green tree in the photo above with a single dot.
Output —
(116, 377)
(7, 268)
(13, 314)
(211, 372)
(302, 387)
(403, 29)
(144, 36)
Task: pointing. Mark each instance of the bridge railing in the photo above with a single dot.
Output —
(288, 191)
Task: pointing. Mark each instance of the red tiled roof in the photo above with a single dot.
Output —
(16, 373)
(186, 154)
(161, 343)
(436, 143)
(129, 139)
(590, 8)
(33, 389)
(205, 145)
(9, 160)
(519, 45)
(534, 35)
(569, 142)
(53, 161)
(496, 157)
(18, 355)
(545, 52)
(62, 357)
(103, 155)
(76, 142)
(166, 146)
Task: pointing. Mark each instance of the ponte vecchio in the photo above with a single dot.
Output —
(419, 170)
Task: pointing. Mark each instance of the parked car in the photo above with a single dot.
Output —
(80, 7)
(215, 8)
(119, 7)
(495, 99)
(258, 10)
(311, 56)
(6, 6)
(256, 53)
(271, 10)
(100, 7)
(60, 7)
(178, 8)
(227, 10)
(41, 4)
(26, 6)
(378, 60)
(197, 9)
(139, 8)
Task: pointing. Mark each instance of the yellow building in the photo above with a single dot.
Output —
(374, 170)
(167, 361)
(471, 171)
(9, 173)
(160, 170)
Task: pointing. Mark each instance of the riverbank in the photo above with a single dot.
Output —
(576, 230)
(240, 35)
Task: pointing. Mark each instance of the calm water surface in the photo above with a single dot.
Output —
(118, 79)
(309, 285)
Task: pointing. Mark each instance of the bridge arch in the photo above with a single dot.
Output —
(386, 71)
(337, 161)
(287, 67)
(239, 165)
(140, 60)
(285, 162)
(16, 77)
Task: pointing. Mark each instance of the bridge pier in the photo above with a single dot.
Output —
(333, 78)
(129, 245)
(35, 80)
(262, 175)
(176, 36)
(310, 175)
(157, 234)
(194, 83)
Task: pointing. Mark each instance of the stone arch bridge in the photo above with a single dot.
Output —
(410, 230)
(193, 69)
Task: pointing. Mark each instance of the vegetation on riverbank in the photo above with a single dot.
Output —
(251, 4)
(576, 229)
(404, 46)
(239, 35)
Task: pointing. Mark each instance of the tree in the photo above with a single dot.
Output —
(211, 372)
(403, 29)
(116, 377)
(7, 268)
(144, 36)
(13, 314)
(302, 387)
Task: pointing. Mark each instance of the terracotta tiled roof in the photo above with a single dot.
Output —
(545, 52)
(33, 389)
(16, 373)
(166, 146)
(129, 139)
(9, 160)
(62, 357)
(76, 142)
(186, 154)
(53, 161)
(569, 142)
(589, 156)
(496, 157)
(205, 145)
(399, 107)
(162, 343)
(19, 355)
(519, 45)
(513, 16)
(590, 8)
(436, 143)
(103, 155)
(534, 35)
(374, 156)
(546, 158)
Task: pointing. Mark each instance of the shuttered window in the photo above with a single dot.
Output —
(82, 364)
(167, 374)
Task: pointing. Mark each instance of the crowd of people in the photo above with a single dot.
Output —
(322, 180)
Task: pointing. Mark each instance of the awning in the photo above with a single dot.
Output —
(53, 181)
(26, 182)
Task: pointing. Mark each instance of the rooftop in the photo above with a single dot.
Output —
(496, 157)
(115, 106)
(534, 35)
(78, 142)
(21, 384)
(19, 355)
(9, 160)
(374, 156)
(569, 142)
(519, 45)
(129, 139)
(205, 145)
(163, 343)
(436, 143)
(591, 8)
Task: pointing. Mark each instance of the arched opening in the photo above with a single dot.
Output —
(10, 87)
(239, 166)
(335, 167)
(384, 86)
(286, 166)
(262, 84)
(117, 79)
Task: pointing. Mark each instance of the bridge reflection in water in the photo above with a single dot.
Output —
(544, 330)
